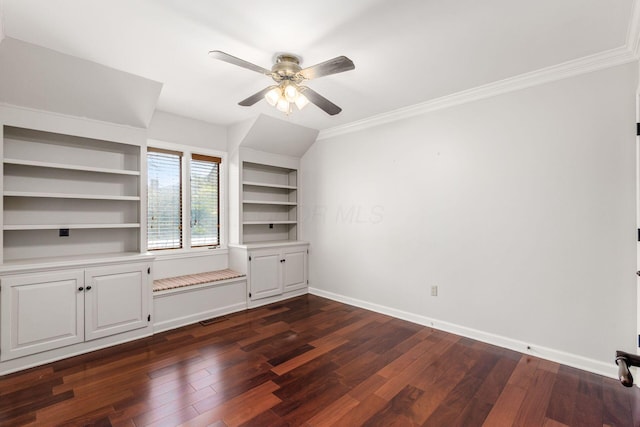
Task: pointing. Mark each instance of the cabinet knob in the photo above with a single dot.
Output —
(281, 260)
(81, 289)
(88, 288)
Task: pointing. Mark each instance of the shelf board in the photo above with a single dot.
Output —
(16, 265)
(268, 222)
(264, 202)
(262, 184)
(69, 226)
(69, 167)
(69, 196)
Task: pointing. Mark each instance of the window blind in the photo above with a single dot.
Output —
(205, 201)
(164, 190)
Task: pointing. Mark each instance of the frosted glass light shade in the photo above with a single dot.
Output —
(290, 93)
(301, 101)
(283, 105)
(273, 96)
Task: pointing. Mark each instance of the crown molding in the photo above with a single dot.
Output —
(1, 21)
(633, 32)
(599, 61)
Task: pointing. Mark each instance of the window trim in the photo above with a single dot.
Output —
(180, 155)
(187, 151)
(209, 159)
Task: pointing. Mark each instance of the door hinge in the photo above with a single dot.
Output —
(149, 270)
(149, 318)
(307, 282)
(637, 129)
(307, 251)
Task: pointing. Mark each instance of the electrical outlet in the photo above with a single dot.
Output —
(434, 291)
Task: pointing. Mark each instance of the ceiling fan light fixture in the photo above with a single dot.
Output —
(283, 105)
(288, 75)
(291, 92)
(273, 96)
(301, 101)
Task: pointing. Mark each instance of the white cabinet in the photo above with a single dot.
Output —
(275, 271)
(294, 268)
(265, 273)
(41, 312)
(115, 300)
(44, 311)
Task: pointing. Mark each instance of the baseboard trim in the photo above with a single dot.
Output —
(558, 356)
(278, 298)
(197, 317)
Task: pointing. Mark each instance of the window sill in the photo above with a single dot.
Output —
(188, 253)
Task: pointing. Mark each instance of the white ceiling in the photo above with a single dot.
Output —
(405, 52)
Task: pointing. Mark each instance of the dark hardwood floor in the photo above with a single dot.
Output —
(312, 361)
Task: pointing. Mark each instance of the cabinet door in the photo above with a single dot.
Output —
(264, 273)
(294, 268)
(116, 300)
(41, 312)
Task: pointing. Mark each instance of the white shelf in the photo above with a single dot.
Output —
(268, 202)
(9, 227)
(69, 196)
(70, 167)
(33, 264)
(269, 244)
(268, 222)
(53, 181)
(262, 184)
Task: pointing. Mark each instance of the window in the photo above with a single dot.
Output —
(205, 223)
(175, 221)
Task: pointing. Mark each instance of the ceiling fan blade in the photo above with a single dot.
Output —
(332, 66)
(255, 97)
(222, 56)
(319, 100)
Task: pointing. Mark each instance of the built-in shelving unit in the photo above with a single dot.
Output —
(269, 203)
(68, 196)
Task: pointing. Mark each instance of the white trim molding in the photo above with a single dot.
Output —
(2, 34)
(633, 31)
(587, 64)
(573, 360)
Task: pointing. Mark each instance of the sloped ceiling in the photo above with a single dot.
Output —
(40, 78)
(276, 136)
(405, 52)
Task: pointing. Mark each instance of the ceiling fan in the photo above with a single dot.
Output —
(289, 76)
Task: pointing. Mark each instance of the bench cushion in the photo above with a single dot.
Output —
(194, 279)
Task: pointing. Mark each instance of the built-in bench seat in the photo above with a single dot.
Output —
(182, 300)
(194, 279)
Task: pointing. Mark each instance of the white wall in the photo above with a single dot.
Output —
(182, 130)
(520, 207)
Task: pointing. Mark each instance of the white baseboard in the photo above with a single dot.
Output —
(277, 298)
(197, 317)
(573, 360)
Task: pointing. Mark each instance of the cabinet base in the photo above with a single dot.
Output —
(38, 359)
(277, 298)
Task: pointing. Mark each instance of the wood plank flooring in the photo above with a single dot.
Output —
(316, 362)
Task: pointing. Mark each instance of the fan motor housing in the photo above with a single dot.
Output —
(286, 67)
